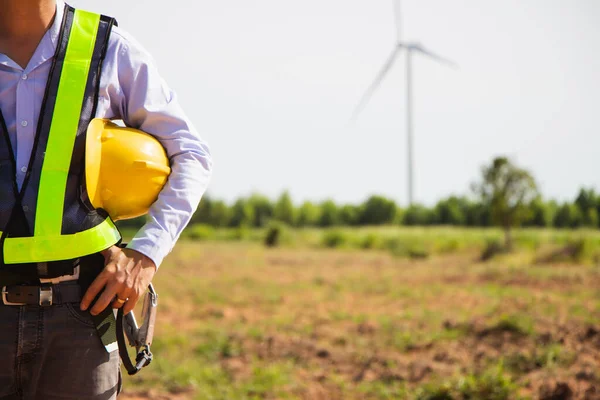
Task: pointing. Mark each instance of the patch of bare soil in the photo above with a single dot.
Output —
(576, 377)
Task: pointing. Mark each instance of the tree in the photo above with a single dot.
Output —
(349, 215)
(587, 201)
(541, 215)
(591, 218)
(568, 216)
(220, 214)
(242, 214)
(262, 209)
(477, 214)
(378, 210)
(417, 215)
(203, 213)
(308, 214)
(507, 190)
(450, 211)
(284, 209)
(329, 214)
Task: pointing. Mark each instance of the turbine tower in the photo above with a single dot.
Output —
(409, 48)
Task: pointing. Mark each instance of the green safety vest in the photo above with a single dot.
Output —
(51, 219)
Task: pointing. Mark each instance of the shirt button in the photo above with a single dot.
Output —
(23, 123)
(25, 208)
(24, 169)
(24, 77)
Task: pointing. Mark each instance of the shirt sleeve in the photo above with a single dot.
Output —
(148, 104)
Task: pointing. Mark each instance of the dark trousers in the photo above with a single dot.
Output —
(54, 352)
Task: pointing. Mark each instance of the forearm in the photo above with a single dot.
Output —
(175, 206)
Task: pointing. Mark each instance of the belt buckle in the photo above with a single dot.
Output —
(5, 300)
(45, 296)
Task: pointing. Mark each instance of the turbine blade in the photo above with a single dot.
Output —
(382, 73)
(436, 57)
(398, 20)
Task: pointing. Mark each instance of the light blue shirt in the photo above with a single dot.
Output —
(132, 90)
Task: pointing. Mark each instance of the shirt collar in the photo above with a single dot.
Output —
(47, 46)
(54, 30)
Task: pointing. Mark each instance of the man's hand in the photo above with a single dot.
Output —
(126, 275)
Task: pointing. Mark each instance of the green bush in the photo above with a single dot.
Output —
(528, 240)
(584, 249)
(449, 245)
(493, 247)
(578, 250)
(241, 233)
(491, 385)
(334, 239)
(200, 232)
(415, 248)
(277, 233)
(370, 241)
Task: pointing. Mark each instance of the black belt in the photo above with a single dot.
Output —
(42, 295)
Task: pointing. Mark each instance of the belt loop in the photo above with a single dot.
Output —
(42, 269)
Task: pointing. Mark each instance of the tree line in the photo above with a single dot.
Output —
(257, 210)
(505, 195)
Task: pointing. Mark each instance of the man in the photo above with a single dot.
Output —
(53, 349)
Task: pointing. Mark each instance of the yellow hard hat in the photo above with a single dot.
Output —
(125, 169)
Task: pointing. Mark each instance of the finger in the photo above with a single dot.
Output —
(130, 303)
(118, 301)
(93, 291)
(105, 299)
(121, 298)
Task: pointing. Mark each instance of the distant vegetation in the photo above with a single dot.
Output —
(505, 196)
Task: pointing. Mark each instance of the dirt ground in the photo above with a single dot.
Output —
(356, 324)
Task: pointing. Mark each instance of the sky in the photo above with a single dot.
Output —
(271, 86)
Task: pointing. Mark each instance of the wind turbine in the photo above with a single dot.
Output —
(410, 48)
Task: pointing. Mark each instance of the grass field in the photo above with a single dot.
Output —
(238, 320)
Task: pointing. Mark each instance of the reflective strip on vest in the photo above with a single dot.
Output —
(48, 244)
(62, 247)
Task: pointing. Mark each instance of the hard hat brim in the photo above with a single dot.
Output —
(93, 159)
